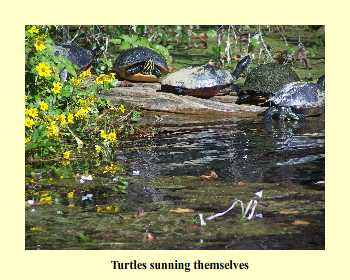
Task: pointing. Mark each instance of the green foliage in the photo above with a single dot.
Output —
(291, 50)
(104, 65)
(63, 117)
(136, 116)
(218, 51)
(211, 34)
(121, 186)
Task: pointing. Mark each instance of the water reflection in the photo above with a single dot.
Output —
(244, 150)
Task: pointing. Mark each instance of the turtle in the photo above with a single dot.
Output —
(140, 64)
(79, 56)
(263, 81)
(203, 80)
(82, 58)
(296, 100)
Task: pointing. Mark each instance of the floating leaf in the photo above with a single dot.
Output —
(289, 212)
(212, 175)
(37, 229)
(300, 223)
(150, 237)
(107, 208)
(182, 210)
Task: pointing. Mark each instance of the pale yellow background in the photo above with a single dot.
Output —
(16, 263)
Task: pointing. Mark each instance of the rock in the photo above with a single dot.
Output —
(225, 98)
(149, 97)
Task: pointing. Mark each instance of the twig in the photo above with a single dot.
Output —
(282, 35)
(76, 138)
(264, 45)
(75, 35)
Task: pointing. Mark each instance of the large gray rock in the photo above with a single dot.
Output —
(149, 97)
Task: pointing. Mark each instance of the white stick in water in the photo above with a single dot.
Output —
(247, 212)
(228, 210)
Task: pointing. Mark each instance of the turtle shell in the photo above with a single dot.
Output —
(203, 81)
(79, 56)
(299, 95)
(263, 81)
(134, 56)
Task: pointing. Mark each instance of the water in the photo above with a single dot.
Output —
(247, 150)
(161, 209)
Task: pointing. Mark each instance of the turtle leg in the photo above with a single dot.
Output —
(271, 113)
(288, 114)
(157, 72)
(135, 69)
(235, 88)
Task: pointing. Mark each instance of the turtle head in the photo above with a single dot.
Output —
(241, 66)
(97, 51)
(148, 67)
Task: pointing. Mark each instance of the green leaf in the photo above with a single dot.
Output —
(125, 45)
(67, 90)
(136, 116)
(211, 34)
(163, 51)
(116, 41)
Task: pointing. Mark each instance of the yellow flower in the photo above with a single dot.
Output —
(76, 81)
(82, 113)
(57, 86)
(86, 73)
(70, 195)
(103, 134)
(98, 149)
(62, 119)
(112, 168)
(109, 78)
(43, 69)
(66, 155)
(70, 118)
(32, 112)
(39, 45)
(112, 137)
(100, 79)
(45, 199)
(121, 108)
(91, 98)
(43, 106)
(112, 76)
(65, 162)
(29, 122)
(52, 130)
(103, 78)
(28, 139)
(33, 30)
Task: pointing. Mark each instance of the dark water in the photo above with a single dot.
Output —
(285, 161)
(247, 150)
